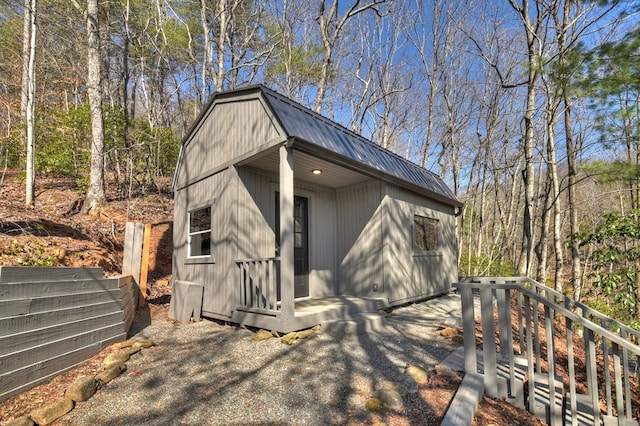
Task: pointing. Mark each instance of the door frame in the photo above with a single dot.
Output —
(305, 277)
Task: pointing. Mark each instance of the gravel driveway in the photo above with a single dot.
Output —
(208, 373)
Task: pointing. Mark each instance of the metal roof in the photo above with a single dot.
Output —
(302, 124)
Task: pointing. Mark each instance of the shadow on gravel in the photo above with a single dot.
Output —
(210, 373)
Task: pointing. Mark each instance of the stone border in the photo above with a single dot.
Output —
(83, 387)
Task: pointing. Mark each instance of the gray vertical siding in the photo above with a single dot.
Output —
(256, 215)
(359, 224)
(230, 130)
(408, 275)
(323, 277)
(219, 278)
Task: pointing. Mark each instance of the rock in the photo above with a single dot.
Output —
(51, 412)
(142, 344)
(21, 421)
(262, 335)
(118, 357)
(121, 345)
(443, 370)
(132, 343)
(291, 338)
(418, 374)
(376, 405)
(110, 373)
(449, 332)
(81, 389)
(390, 395)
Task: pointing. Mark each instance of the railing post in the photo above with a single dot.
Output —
(592, 372)
(468, 330)
(488, 342)
(287, 273)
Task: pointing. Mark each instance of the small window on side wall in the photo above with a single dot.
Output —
(425, 234)
(199, 237)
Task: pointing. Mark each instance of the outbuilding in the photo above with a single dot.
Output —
(284, 217)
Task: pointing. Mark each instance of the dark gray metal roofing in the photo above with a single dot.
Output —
(302, 123)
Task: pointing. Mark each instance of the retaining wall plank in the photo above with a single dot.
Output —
(23, 290)
(29, 322)
(32, 355)
(19, 274)
(31, 375)
(13, 307)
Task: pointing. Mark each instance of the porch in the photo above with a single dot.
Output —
(261, 305)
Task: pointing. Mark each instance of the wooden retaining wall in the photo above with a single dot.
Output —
(52, 319)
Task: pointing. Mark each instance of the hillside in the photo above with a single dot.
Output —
(52, 233)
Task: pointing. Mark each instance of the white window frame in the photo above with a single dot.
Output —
(206, 258)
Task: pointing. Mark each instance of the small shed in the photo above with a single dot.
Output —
(280, 212)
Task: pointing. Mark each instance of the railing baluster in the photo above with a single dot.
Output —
(520, 324)
(536, 334)
(554, 416)
(530, 369)
(592, 372)
(617, 377)
(572, 367)
(504, 327)
(509, 332)
(607, 370)
(625, 370)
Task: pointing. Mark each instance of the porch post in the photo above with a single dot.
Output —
(287, 274)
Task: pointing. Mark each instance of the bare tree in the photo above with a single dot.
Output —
(95, 197)
(29, 93)
(331, 25)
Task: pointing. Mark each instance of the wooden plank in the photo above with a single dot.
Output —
(32, 305)
(29, 322)
(29, 376)
(35, 354)
(468, 333)
(133, 250)
(488, 342)
(144, 266)
(129, 237)
(12, 307)
(58, 288)
(41, 336)
(18, 274)
(127, 287)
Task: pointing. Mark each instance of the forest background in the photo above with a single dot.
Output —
(528, 109)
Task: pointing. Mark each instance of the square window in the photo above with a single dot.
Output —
(425, 234)
(200, 232)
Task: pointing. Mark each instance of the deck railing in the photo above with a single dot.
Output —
(259, 282)
(525, 367)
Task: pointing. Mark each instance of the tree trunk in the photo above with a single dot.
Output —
(95, 195)
(28, 95)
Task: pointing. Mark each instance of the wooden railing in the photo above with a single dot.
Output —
(525, 369)
(259, 283)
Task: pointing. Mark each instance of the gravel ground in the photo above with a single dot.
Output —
(208, 373)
